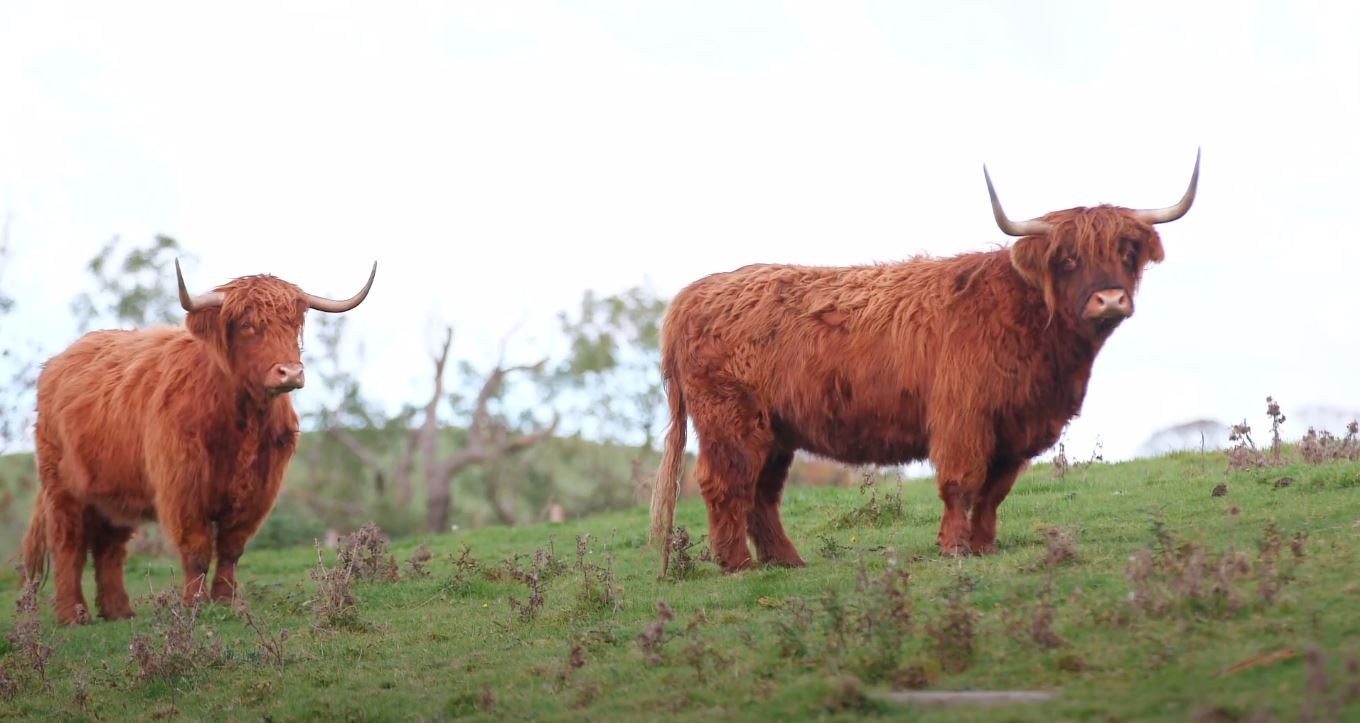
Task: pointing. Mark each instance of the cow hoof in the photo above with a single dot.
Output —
(738, 566)
(117, 614)
(984, 548)
(794, 561)
(957, 550)
(77, 614)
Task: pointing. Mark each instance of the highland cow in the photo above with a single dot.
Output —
(190, 427)
(975, 362)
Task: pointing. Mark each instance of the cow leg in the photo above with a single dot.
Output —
(954, 526)
(960, 453)
(726, 475)
(231, 543)
(767, 531)
(67, 544)
(193, 538)
(108, 544)
(734, 441)
(1000, 478)
(179, 471)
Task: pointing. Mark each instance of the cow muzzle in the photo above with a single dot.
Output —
(284, 378)
(1107, 308)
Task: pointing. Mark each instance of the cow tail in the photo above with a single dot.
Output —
(667, 487)
(34, 548)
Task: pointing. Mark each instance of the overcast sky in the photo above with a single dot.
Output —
(500, 158)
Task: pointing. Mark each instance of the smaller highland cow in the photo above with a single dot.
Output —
(191, 427)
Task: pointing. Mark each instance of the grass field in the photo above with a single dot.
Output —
(1127, 589)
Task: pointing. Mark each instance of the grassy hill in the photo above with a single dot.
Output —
(1130, 590)
(326, 488)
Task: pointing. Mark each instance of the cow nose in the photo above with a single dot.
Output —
(286, 377)
(1108, 304)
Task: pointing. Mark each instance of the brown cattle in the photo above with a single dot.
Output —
(975, 361)
(191, 427)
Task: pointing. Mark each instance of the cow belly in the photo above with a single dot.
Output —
(1026, 435)
(864, 442)
(125, 511)
(863, 429)
(119, 493)
(862, 450)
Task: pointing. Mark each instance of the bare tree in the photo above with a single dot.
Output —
(489, 440)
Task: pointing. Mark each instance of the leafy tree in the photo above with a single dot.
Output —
(615, 364)
(6, 301)
(20, 367)
(134, 288)
(613, 373)
(19, 372)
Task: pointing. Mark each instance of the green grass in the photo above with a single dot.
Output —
(427, 649)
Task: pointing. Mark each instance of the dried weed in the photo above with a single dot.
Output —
(334, 605)
(175, 644)
(27, 639)
(365, 553)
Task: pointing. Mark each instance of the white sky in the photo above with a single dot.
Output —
(500, 158)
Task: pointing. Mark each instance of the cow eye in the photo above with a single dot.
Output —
(1068, 263)
(247, 326)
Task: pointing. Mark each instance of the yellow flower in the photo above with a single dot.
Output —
(484, 604)
(853, 538)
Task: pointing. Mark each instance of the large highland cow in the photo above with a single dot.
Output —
(190, 427)
(975, 362)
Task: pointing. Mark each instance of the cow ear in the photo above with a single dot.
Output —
(205, 325)
(1029, 256)
(202, 323)
(1153, 249)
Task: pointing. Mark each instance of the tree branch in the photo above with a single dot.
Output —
(521, 442)
(487, 441)
(320, 504)
(429, 428)
(342, 435)
(405, 464)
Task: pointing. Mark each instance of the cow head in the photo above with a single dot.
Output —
(1087, 261)
(253, 325)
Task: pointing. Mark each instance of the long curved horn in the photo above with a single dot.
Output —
(1032, 227)
(1171, 213)
(335, 307)
(202, 301)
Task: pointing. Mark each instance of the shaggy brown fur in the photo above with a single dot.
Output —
(184, 426)
(975, 362)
